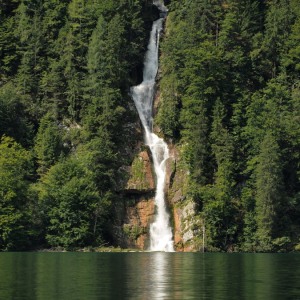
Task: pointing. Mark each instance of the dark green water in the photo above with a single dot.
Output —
(149, 276)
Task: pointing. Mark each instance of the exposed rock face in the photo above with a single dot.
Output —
(141, 176)
(135, 211)
(187, 232)
(137, 223)
(187, 225)
(133, 218)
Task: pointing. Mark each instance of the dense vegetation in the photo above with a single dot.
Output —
(230, 101)
(230, 94)
(66, 67)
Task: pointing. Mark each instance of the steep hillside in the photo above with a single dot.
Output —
(229, 105)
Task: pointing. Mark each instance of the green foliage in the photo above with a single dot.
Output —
(168, 113)
(48, 144)
(133, 231)
(230, 70)
(269, 191)
(65, 71)
(138, 174)
(13, 120)
(14, 172)
(8, 57)
(76, 211)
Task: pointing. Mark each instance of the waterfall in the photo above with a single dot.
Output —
(161, 238)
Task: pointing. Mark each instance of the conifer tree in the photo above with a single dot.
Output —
(269, 193)
(14, 172)
(48, 144)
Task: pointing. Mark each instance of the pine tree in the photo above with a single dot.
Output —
(221, 211)
(14, 172)
(269, 193)
(76, 212)
(48, 144)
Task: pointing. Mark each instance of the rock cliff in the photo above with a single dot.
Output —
(135, 210)
(187, 226)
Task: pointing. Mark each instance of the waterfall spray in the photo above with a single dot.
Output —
(161, 238)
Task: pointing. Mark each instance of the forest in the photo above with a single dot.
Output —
(229, 100)
(230, 94)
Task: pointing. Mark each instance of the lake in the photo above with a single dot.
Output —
(156, 275)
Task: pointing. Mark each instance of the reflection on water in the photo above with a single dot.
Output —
(154, 275)
(148, 275)
(160, 268)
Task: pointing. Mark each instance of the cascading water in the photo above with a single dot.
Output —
(161, 238)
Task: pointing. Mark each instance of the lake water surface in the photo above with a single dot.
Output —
(155, 275)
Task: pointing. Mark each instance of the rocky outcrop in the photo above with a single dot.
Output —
(134, 212)
(138, 219)
(132, 221)
(141, 178)
(187, 225)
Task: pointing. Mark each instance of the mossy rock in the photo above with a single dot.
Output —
(133, 231)
(141, 174)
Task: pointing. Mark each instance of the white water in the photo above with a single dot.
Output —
(161, 238)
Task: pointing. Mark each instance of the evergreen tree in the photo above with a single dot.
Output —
(14, 216)
(8, 57)
(13, 121)
(48, 144)
(269, 191)
(221, 211)
(75, 210)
